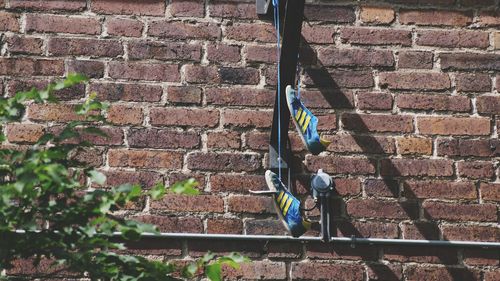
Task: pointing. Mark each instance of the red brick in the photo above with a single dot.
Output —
(373, 208)
(474, 82)
(453, 126)
(338, 78)
(377, 123)
(29, 67)
(327, 98)
(282, 250)
(45, 267)
(417, 273)
(490, 191)
(239, 96)
(376, 15)
(173, 224)
(53, 112)
(92, 157)
(220, 52)
(355, 57)
(470, 61)
(415, 59)
(488, 104)
(317, 34)
(241, 76)
(385, 272)
(224, 226)
(460, 212)
(320, 250)
(24, 45)
(453, 39)
(129, 7)
(202, 74)
(414, 145)
(144, 71)
(374, 100)
(258, 53)
(62, 24)
(9, 21)
(361, 144)
(435, 17)
(85, 47)
(164, 50)
(489, 18)
(250, 204)
(145, 159)
(375, 36)
(144, 178)
(326, 271)
(480, 3)
(155, 138)
(114, 136)
(186, 203)
(24, 133)
(223, 161)
(124, 27)
(152, 247)
(75, 92)
(265, 227)
(246, 118)
(251, 32)
(347, 187)
(187, 8)
(468, 147)
(367, 229)
(416, 167)
(481, 257)
(328, 13)
(434, 102)
(232, 10)
(184, 30)
(224, 139)
(471, 233)
(125, 115)
(420, 254)
(492, 275)
(440, 189)
(256, 270)
(420, 231)
(182, 176)
(381, 188)
(415, 81)
(476, 169)
(127, 92)
(63, 5)
(91, 69)
(340, 165)
(184, 95)
(193, 117)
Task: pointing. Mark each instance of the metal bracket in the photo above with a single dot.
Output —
(262, 6)
(322, 187)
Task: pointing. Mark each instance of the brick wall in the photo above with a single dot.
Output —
(407, 90)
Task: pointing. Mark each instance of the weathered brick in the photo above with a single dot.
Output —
(75, 92)
(237, 183)
(242, 76)
(24, 45)
(164, 50)
(496, 40)
(474, 82)
(155, 138)
(460, 212)
(439, 189)
(377, 15)
(264, 227)
(172, 224)
(62, 24)
(127, 92)
(374, 208)
(220, 52)
(186, 203)
(481, 257)
(129, 7)
(194, 117)
(256, 270)
(251, 32)
(84, 47)
(24, 133)
(176, 177)
(415, 81)
(416, 167)
(453, 39)
(367, 229)
(488, 104)
(361, 144)
(184, 95)
(490, 191)
(224, 226)
(372, 36)
(189, 8)
(385, 272)
(53, 112)
(29, 67)
(415, 59)
(476, 169)
(144, 178)
(326, 271)
(416, 273)
(92, 157)
(318, 34)
(491, 275)
(239, 96)
(224, 139)
(420, 254)
(124, 27)
(414, 145)
(144, 71)
(355, 57)
(489, 18)
(257, 53)
(468, 147)
(453, 126)
(471, 233)
(381, 188)
(435, 17)
(63, 5)
(374, 100)
(340, 165)
(114, 136)
(184, 30)
(338, 78)
(246, 118)
(9, 21)
(433, 102)
(328, 98)
(338, 14)
(152, 247)
(91, 69)
(250, 204)
(377, 123)
(420, 231)
(338, 251)
(223, 161)
(470, 61)
(125, 114)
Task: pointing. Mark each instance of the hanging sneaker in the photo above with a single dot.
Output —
(287, 206)
(305, 123)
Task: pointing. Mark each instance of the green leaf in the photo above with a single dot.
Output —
(185, 187)
(157, 191)
(97, 177)
(214, 272)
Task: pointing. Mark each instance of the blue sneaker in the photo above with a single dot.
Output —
(287, 206)
(305, 123)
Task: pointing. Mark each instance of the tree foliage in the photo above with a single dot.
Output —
(48, 212)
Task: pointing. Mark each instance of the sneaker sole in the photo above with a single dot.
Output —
(297, 125)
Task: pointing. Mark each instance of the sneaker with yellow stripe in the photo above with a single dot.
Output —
(287, 206)
(305, 123)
